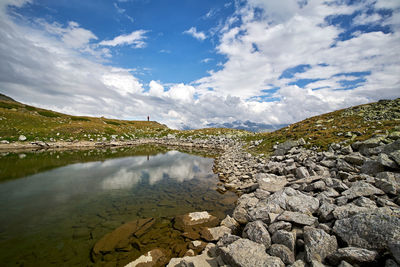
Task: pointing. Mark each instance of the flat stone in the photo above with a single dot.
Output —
(385, 161)
(270, 182)
(372, 167)
(256, 231)
(368, 230)
(120, 237)
(353, 255)
(188, 222)
(361, 188)
(348, 210)
(282, 252)
(318, 244)
(297, 217)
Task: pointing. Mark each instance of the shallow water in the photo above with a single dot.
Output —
(54, 217)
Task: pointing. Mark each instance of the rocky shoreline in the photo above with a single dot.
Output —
(306, 208)
(299, 207)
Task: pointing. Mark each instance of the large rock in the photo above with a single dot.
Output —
(246, 253)
(270, 182)
(257, 232)
(153, 258)
(285, 238)
(285, 199)
(297, 217)
(368, 230)
(230, 223)
(318, 244)
(120, 237)
(353, 255)
(348, 210)
(283, 148)
(361, 188)
(282, 252)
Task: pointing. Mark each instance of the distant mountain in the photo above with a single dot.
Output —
(248, 126)
(6, 98)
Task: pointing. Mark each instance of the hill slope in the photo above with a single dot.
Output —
(342, 126)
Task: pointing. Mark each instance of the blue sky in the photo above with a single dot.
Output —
(169, 55)
(190, 63)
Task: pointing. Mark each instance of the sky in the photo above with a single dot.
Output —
(191, 63)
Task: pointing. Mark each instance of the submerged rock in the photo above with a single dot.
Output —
(153, 258)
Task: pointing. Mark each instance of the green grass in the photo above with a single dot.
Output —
(49, 114)
(79, 119)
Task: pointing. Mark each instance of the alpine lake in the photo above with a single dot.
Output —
(56, 204)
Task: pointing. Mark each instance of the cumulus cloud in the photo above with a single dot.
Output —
(195, 34)
(135, 38)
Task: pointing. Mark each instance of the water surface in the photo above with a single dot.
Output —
(54, 217)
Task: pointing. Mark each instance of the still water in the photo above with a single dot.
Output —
(53, 212)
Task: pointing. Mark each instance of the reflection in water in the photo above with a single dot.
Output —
(56, 216)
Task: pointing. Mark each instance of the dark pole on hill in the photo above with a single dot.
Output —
(148, 118)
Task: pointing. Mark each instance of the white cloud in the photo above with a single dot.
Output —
(198, 35)
(181, 92)
(136, 39)
(156, 89)
(206, 60)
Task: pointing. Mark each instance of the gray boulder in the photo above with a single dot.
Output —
(22, 138)
(361, 188)
(270, 182)
(283, 252)
(285, 238)
(369, 230)
(281, 225)
(297, 217)
(257, 232)
(318, 244)
(302, 172)
(353, 255)
(246, 253)
(372, 167)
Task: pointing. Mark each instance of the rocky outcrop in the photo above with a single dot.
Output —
(299, 207)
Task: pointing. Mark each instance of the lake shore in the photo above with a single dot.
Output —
(297, 207)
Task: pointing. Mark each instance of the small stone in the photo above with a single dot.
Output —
(22, 138)
(154, 257)
(285, 238)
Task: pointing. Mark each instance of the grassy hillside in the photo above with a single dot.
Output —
(39, 124)
(342, 126)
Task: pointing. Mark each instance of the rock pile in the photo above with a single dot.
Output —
(335, 208)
